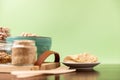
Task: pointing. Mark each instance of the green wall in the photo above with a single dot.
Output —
(75, 26)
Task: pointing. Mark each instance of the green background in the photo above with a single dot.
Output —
(76, 26)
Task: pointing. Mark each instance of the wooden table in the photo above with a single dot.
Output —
(100, 72)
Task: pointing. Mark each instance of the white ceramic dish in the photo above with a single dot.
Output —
(79, 66)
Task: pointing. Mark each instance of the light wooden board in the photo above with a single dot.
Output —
(26, 74)
(44, 66)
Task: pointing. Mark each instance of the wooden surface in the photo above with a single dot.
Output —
(101, 72)
(44, 66)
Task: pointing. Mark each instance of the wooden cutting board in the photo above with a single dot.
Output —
(40, 64)
(25, 74)
(45, 66)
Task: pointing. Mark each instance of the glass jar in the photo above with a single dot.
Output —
(5, 56)
(23, 52)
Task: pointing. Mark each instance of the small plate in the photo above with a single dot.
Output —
(81, 66)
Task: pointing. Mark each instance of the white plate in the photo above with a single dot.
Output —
(80, 65)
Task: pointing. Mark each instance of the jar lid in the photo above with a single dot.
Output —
(24, 42)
